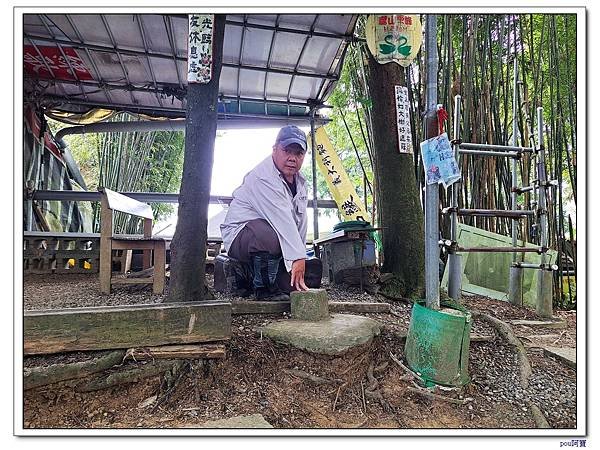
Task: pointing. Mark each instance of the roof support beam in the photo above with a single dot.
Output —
(160, 55)
(344, 37)
(165, 125)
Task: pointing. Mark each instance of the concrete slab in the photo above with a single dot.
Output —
(334, 336)
(553, 324)
(251, 421)
(566, 355)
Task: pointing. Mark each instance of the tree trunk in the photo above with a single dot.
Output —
(399, 207)
(188, 248)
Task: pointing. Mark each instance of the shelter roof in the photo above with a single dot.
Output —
(276, 65)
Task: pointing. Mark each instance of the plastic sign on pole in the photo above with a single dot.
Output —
(438, 161)
(200, 48)
(394, 37)
(337, 179)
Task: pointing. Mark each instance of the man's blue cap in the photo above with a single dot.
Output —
(291, 134)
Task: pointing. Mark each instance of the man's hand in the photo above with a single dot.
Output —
(297, 275)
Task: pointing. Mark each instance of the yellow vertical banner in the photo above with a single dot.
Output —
(338, 182)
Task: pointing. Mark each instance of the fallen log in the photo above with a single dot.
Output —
(133, 375)
(41, 376)
(359, 307)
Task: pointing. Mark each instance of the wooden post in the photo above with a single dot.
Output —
(158, 285)
(106, 230)
(147, 254)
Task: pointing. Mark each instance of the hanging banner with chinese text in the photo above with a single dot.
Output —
(439, 162)
(200, 44)
(394, 37)
(403, 120)
(337, 179)
(52, 62)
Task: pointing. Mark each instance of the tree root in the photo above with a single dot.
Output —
(309, 377)
(426, 393)
(127, 376)
(42, 376)
(508, 334)
(538, 416)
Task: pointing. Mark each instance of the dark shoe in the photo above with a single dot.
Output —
(265, 267)
(270, 295)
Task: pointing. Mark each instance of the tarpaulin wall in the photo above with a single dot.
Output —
(44, 169)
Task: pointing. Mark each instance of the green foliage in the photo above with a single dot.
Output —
(129, 162)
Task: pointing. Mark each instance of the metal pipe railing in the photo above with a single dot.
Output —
(146, 197)
(535, 266)
(539, 250)
(515, 155)
(507, 148)
(489, 213)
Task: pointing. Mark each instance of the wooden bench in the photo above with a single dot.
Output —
(152, 246)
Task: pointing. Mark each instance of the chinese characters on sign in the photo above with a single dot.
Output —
(200, 40)
(50, 62)
(394, 37)
(403, 120)
(439, 162)
(337, 179)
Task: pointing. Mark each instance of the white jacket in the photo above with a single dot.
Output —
(264, 194)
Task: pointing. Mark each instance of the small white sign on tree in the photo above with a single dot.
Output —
(200, 48)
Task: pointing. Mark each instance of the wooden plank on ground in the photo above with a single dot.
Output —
(189, 351)
(566, 355)
(360, 307)
(258, 307)
(552, 324)
(113, 327)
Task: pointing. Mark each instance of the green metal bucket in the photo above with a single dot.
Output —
(437, 345)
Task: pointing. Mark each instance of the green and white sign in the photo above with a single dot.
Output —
(394, 37)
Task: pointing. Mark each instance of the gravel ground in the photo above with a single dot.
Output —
(499, 401)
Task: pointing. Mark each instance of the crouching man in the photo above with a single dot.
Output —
(266, 221)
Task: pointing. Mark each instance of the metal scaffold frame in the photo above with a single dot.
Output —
(539, 214)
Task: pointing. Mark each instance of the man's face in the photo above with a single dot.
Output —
(288, 159)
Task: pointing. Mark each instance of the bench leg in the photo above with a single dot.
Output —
(105, 265)
(146, 259)
(158, 284)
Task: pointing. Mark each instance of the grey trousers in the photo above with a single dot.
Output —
(257, 236)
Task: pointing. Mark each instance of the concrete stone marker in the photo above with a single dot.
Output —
(311, 305)
(566, 355)
(334, 336)
(313, 329)
(250, 421)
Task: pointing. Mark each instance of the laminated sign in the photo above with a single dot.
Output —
(439, 162)
(338, 182)
(200, 45)
(403, 120)
(394, 37)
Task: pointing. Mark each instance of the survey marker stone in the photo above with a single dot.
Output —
(311, 305)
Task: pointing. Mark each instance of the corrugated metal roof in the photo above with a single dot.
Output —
(273, 65)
